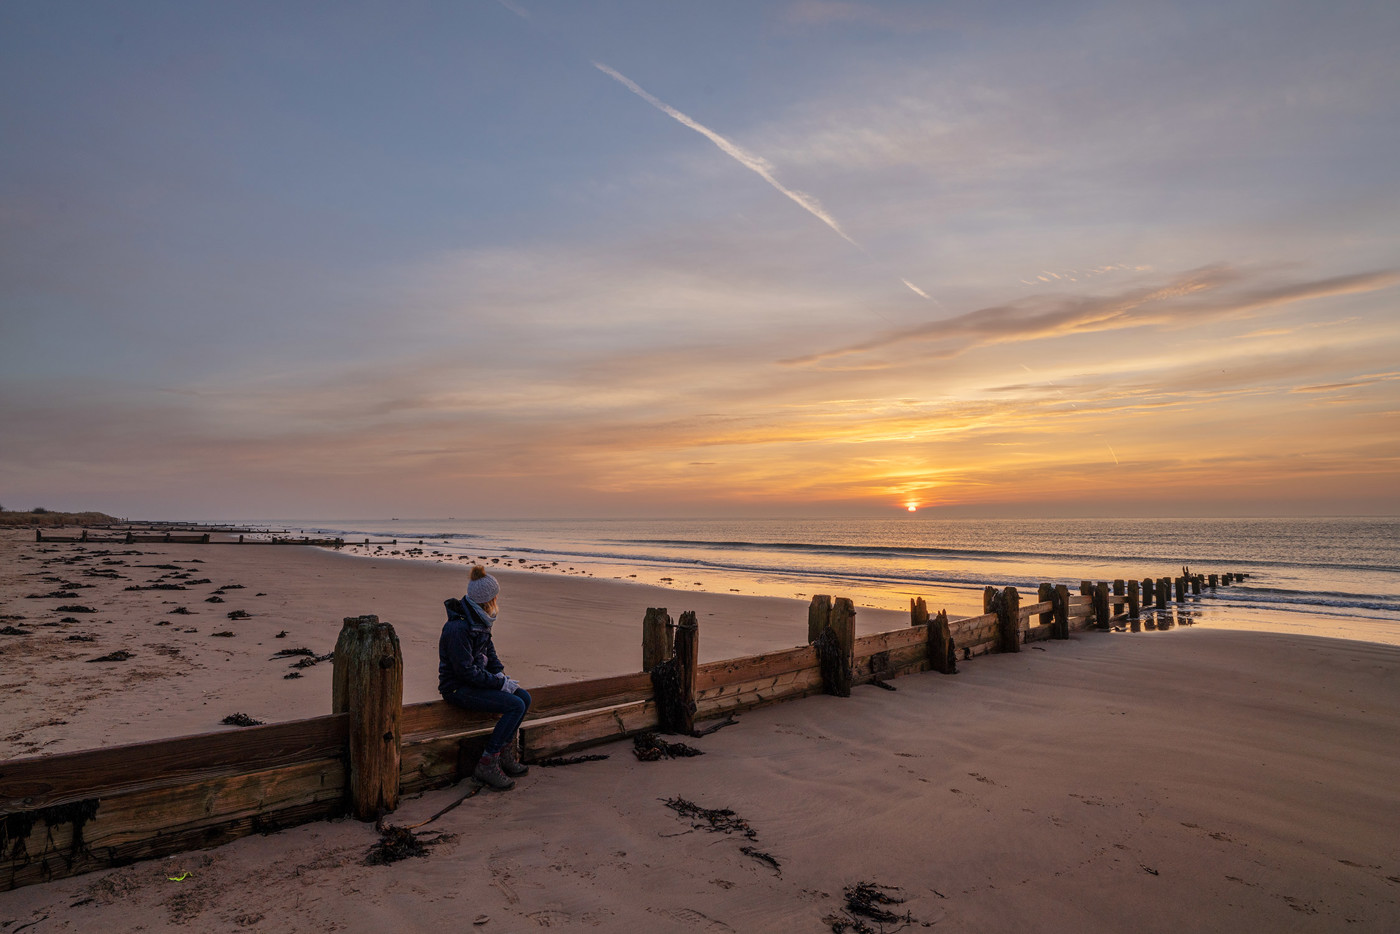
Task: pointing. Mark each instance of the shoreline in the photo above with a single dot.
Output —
(190, 669)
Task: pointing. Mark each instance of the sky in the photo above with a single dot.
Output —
(539, 258)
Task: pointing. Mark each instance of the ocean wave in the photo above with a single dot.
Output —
(974, 554)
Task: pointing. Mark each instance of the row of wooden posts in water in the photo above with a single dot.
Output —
(1136, 595)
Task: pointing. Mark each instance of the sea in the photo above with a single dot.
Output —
(1300, 574)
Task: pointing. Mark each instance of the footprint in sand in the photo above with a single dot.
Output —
(691, 916)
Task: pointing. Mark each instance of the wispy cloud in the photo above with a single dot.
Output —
(1177, 300)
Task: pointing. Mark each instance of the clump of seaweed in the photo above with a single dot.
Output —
(240, 719)
(867, 900)
(568, 760)
(120, 655)
(715, 820)
(762, 857)
(398, 843)
(649, 747)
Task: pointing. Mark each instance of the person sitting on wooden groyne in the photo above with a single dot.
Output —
(472, 677)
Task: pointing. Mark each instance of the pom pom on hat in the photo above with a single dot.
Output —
(483, 588)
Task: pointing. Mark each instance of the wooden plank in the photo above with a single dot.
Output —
(1035, 609)
(754, 668)
(893, 657)
(431, 761)
(552, 737)
(545, 701)
(172, 819)
(890, 641)
(727, 698)
(43, 781)
(974, 620)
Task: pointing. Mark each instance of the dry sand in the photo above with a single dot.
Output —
(1190, 780)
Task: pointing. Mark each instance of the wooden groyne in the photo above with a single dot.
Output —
(131, 537)
(70, 813)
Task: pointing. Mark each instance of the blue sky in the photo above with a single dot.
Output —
(548, 258)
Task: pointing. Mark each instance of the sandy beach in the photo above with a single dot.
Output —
(1199, 779)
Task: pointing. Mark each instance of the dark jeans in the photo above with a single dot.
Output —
(511, 707)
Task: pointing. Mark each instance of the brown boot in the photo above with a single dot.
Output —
(510, 758)
(488, 772)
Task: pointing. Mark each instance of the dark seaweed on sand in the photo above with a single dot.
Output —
(240, 719)
(288, 653)
(715, 820)
(649, 747)
(568, 760)
(761, 857)
(398, 843)
(120, 655)
(867, 900)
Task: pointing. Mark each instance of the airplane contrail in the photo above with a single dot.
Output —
(756, 164)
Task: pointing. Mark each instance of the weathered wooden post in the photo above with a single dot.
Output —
(1102, 613)
(1148, 591)
(918, 612)
(687, 658)
(1195, 585)
(1181, 590)
(1007, 606)
(835, 644)
(1214, 581)
(988, 595)
(340, 660)
(1119, 593)
(818, 615)
(374, 691)
(1046, 594)
(658, 637)
(1134, 605)
(942, 653)
(1225, 581)
(1061, 611)
(1164, 592)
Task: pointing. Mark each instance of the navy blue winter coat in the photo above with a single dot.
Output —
(466, 657)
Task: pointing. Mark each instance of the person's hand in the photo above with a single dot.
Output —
(509, 684)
